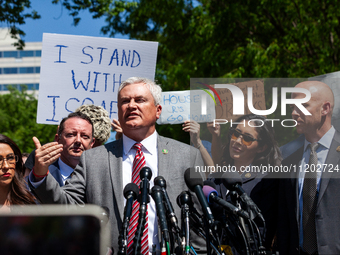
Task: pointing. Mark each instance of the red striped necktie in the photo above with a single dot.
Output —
(138, 164)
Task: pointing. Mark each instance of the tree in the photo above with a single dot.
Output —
(18, 120)
(14, 13)
(213, 38)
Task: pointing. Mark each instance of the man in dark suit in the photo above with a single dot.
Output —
(309, 201)
(74, 136)
(102, 172)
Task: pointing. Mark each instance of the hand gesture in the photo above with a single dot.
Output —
(45, 155)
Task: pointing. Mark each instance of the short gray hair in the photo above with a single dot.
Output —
(155, 89)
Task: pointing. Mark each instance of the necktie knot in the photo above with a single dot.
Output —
(138, 146)
(314, 146)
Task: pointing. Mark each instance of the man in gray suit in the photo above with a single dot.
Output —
(74, 136)
(102, 172)
(309, 201)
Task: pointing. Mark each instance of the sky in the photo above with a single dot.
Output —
(55, 19)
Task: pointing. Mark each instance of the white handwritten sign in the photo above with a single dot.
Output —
(77, 70)
(179, 106)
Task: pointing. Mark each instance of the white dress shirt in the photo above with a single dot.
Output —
(150, 152)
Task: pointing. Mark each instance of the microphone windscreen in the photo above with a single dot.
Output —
(192, 178)
(209, 183)
(131, 187)
(184, 198)
(207, 190)
(160, 181)
(230, 179)
(145, 172)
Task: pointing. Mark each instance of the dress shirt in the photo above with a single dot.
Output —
(322, 152)
(151, 160)
(65, 170)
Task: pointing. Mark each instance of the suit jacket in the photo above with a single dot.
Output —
(98, 178)
(327, 216)
(55, 172)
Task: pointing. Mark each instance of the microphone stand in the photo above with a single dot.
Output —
(145, 175)
(186, 226)
(241, 226)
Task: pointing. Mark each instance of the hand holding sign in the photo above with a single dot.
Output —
(194, 128)
(44, 156)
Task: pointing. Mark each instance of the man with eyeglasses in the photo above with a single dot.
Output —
(309, 198)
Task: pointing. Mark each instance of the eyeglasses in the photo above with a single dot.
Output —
(245, 139)
(12, 159)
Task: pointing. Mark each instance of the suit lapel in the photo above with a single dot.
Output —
(332, 159)
(55, 172)
(115, 156)
(164, 153)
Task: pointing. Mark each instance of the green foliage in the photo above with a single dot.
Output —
(18, 113)
(14, 13)
(229, 39)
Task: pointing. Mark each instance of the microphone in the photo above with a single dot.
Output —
(232, 181)
(160, 181)
(157, 195)
(194, 182)
(212, 196)
(209, 183)
(184, 201)
(145, 176)
(185, 198)
(130, 192)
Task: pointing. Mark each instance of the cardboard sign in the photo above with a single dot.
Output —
(78, 70)
(225, 111)
(179, 106)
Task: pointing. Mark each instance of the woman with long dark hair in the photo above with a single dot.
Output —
(13, 190)
(252, 147)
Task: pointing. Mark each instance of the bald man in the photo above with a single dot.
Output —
(309, 201)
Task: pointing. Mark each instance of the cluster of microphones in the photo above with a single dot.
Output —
(219, 223)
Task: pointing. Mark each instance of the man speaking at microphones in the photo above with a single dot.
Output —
(103, 172)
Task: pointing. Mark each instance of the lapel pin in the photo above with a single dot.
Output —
(247, 175)
(165, 151)
(338, 149)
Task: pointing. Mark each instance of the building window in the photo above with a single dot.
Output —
(26, 70)
(26, 53)
(10, 54)
(21, 70)
(20, 54)
(30, 86)
(10, 70)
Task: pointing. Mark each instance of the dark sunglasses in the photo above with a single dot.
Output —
(245, 139)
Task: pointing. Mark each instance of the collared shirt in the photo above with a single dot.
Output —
(150, 152)
(65, 170)
(322, 152)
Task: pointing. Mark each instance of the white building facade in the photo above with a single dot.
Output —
(19, 67)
